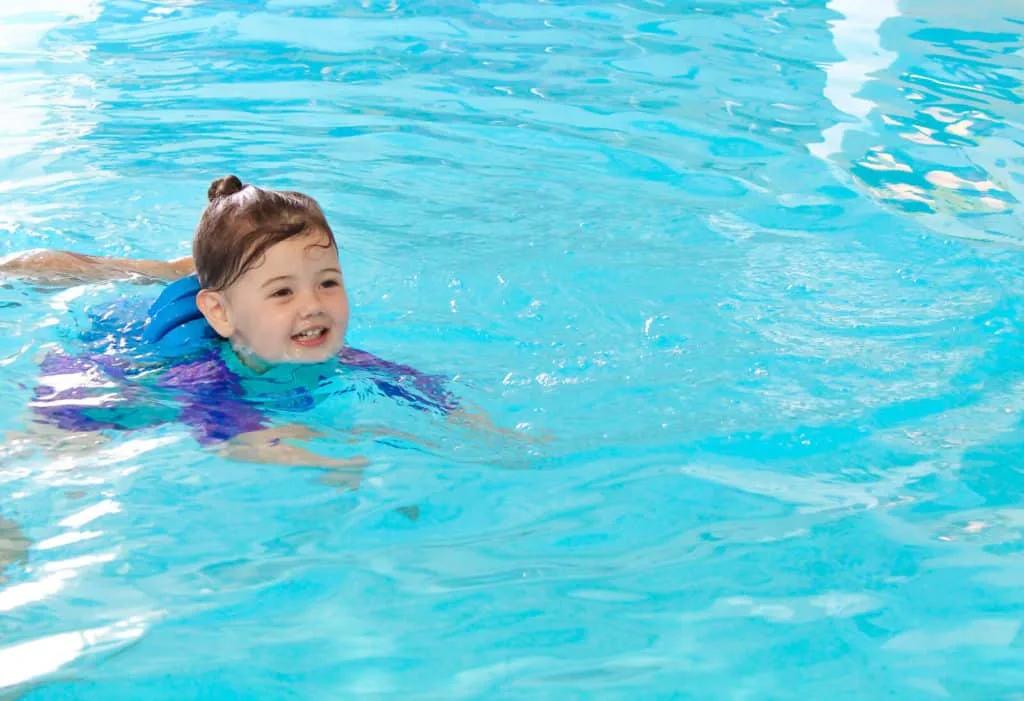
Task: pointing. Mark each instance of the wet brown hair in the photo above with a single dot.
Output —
(242, 222)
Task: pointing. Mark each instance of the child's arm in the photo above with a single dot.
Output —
(477, 419)
(271, 446)
(429, 393)
(238, 430)
(57, 267)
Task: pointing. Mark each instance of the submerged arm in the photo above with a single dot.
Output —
(477, 419)
(429, 393)
(54, 266)
(271, 446)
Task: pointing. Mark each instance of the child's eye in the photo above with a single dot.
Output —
(283, 292)
(330, 283)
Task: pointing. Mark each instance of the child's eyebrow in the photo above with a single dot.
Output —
(279, 278)
(287, 278)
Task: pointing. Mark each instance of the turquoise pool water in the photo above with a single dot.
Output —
(755, 266)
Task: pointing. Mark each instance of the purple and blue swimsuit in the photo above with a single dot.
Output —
(103, 392)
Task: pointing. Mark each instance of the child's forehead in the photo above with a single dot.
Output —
(293, 256)
(309, 247)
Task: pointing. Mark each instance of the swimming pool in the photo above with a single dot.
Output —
(754, 265)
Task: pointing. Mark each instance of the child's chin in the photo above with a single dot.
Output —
(315, 355)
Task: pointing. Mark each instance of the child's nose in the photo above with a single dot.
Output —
(311, 304)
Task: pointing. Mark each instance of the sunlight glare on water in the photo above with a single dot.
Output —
(753, 265)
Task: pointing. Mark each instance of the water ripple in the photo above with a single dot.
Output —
(755, 265)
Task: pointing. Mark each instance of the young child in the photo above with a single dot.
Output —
(268, 281)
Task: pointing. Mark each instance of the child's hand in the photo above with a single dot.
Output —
(386, 432)
(296, 432)
(271, 446)
(480, 421)
(357, 462)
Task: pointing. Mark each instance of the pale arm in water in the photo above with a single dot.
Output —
(63, 267)
(273, 446)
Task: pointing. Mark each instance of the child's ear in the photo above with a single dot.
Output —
(212, 306)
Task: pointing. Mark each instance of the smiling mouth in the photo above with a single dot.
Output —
(311, 336)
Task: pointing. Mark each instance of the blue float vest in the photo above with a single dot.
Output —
(175, 326)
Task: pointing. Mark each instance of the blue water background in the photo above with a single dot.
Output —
(755, 266)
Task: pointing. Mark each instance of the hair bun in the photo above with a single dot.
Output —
(224, 187)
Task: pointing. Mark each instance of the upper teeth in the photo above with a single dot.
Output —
(311, 332)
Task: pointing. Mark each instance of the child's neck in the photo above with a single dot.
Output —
(252, 363)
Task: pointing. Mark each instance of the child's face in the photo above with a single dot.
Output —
(291, 307)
